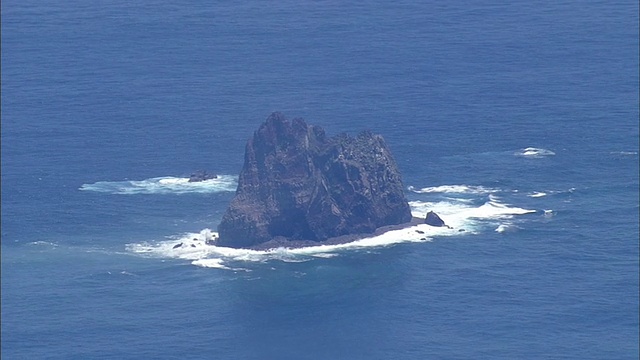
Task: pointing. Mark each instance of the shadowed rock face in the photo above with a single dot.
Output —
(433, 219)
(298, 184)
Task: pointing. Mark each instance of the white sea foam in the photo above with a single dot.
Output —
(42, 243)
(534, 152)
(195, 248)
(506, 227)
(458, 214)
(200, 249)
(164, 185)
(539, 194)
(212, 263)
(454, 189)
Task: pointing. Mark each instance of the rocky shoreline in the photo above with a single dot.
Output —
(281, 242)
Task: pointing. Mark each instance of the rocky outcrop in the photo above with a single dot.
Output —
(299, 184)
(433, 219)
(201, 175)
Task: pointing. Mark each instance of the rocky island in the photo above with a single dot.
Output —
(300, 187)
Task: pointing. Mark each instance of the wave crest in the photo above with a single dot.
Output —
(534, 152)
(454, 189)
(164, 185)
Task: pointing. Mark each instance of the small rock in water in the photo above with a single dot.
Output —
(201, 175)
(433, 219)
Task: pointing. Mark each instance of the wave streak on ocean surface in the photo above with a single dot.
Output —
(534, 152)
(455, 189)
(164, 185)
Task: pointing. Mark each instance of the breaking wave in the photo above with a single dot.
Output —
(164, 185)
(455, 189)
(506, 227)
(195, 247)
(534, 152)
(463, 217)
(539, 194)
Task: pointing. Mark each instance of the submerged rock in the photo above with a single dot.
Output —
(201, 175)
(299, 184)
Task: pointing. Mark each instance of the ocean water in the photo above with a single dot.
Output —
(515, 121)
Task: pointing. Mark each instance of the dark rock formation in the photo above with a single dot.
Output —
(201, 175)
(433, 219)
(298, 184)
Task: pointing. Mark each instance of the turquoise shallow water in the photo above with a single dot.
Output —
(517, 122)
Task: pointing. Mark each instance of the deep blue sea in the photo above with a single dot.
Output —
(516, 121)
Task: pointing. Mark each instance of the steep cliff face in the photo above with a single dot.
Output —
(298, 184)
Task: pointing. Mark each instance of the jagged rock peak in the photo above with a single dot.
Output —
(298, 184)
